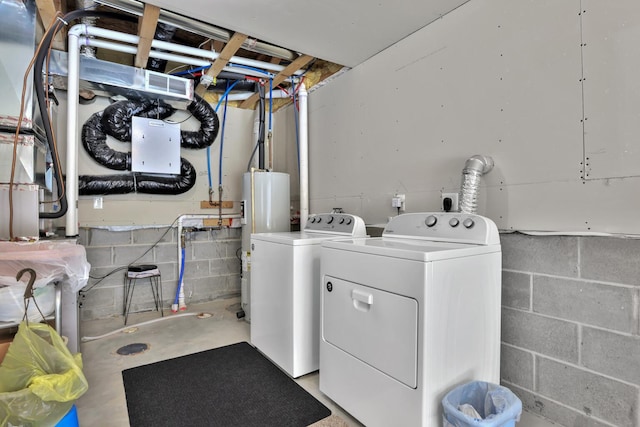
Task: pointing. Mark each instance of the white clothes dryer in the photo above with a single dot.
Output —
(410, 315)
(285, 290)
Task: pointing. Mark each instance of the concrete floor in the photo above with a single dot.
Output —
(104, 404)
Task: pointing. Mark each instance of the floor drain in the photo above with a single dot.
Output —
(131, 349)
(204, 315)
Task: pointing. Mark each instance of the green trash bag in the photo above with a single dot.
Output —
(39, 378)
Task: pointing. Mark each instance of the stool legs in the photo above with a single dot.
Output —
(155, 283)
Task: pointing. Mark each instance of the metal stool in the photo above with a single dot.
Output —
(135, 272)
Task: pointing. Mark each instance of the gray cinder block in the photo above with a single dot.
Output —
(516, 366)
(613, 354)
(547, 254)
(610, 259)
(541, 334)
(563, 415)
(99, 257)
(103, 237)
(597, 304)
(153, 235)
(590, 393)
(516, 290)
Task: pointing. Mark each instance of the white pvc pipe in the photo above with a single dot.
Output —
(304, 155)
(181, 300)
(279, 93)
(73, 91)
(173, 47)
(124, 48)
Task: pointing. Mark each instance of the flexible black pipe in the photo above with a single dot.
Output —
(116, 118)
(209, 125)
(241, 85)
(164, 32)
(140, 183)
(42, 104)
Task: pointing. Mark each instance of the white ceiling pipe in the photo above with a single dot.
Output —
(125, 48)
(206, 30)
(304, 154)
(173, 47)
(246, 95)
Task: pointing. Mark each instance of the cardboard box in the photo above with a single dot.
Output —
(4, 346)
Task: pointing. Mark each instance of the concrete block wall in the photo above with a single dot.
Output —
(212, 267)
(570, 327)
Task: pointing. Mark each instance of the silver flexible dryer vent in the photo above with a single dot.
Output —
(474, 168)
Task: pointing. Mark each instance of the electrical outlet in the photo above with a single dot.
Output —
(97, 203)
(449, 202)
(398, 202)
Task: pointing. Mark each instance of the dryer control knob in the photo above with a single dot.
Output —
(330, 220)
(312, 219)
(468, 223)
(341, 221)
(454, 222)
(431, 221)
(348, 221)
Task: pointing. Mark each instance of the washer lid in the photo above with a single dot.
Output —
(297, 238)
(418, 250)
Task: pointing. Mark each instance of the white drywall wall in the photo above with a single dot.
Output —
(502, 78)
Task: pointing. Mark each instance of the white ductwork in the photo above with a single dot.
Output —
(474, 168)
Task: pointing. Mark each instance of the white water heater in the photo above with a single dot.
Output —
(266, 209)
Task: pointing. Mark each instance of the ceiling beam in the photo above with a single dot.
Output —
(47, 10)
(146, 31)
(283, 75)
(221, 61)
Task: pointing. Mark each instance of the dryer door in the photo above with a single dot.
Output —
(377, 327)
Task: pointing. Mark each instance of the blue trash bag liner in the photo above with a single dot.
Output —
(496, 406)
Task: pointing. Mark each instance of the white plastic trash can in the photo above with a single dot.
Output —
(480, 403)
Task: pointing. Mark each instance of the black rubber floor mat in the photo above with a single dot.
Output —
(227, 386)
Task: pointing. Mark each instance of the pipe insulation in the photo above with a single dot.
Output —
(474, 168)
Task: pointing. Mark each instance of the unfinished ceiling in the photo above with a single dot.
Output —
(343, 32)
(295, 35)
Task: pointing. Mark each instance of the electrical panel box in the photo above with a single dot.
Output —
(155, 146)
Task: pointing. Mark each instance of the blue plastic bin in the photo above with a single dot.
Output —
(69, 420)
(496, 405)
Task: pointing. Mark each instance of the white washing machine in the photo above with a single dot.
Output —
(285, 290)
(410, 315)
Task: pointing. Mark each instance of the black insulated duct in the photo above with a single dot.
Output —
(116, 121)
(165, 33)
(139, 183)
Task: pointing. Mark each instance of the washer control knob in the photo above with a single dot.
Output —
(348, 221)
(330, 220)
(454, 222)
(468, 223)
(341, 221)
(312, 219)
(319, 219)
(431, 221)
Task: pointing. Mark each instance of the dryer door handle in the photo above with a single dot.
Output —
(361, 300)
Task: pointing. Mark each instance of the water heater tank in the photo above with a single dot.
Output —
(266, 210)
(270, 194)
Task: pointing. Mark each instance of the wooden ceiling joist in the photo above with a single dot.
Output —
(47, 10)
(146, 31)
(228, 51)
(283, 75)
